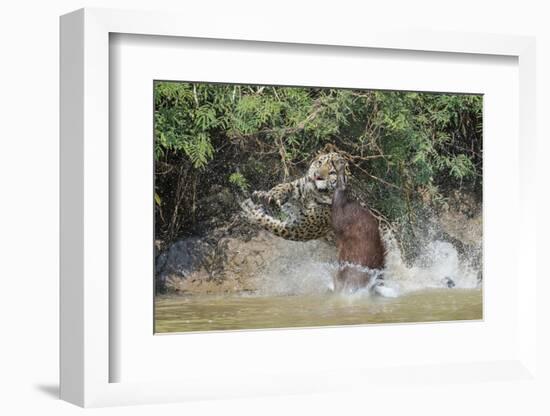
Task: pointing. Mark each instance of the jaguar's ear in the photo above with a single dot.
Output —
(328, 148)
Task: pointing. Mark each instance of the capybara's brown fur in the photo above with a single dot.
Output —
(357, 238)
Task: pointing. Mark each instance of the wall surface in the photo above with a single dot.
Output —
(29, 101)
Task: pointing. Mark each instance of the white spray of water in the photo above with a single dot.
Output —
(308, 268)
(438, 262)
(298, 268)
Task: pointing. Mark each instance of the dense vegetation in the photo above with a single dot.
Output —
(214, 144)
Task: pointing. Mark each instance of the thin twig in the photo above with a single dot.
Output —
(376, 177)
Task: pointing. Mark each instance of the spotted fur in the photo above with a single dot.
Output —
(303, 206)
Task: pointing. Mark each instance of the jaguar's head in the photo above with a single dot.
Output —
(322, 174)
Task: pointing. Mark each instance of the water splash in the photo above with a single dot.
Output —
(307, 268)
(436, 263)
(300, 268)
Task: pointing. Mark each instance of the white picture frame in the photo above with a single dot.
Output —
(86, 356)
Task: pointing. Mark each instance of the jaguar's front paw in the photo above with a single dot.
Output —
(264, 197)
(251, 210)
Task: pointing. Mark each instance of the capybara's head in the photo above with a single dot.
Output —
(340, 166)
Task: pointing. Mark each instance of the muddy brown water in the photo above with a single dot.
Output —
(233, 312)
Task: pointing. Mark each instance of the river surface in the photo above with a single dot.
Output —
(232, 312)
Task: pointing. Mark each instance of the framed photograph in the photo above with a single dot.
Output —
(373, 207)
(248, 214)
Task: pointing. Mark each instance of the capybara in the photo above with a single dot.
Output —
(360, 248)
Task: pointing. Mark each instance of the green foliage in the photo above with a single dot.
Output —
(405, 148)
(158, 201)
(239, 180)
